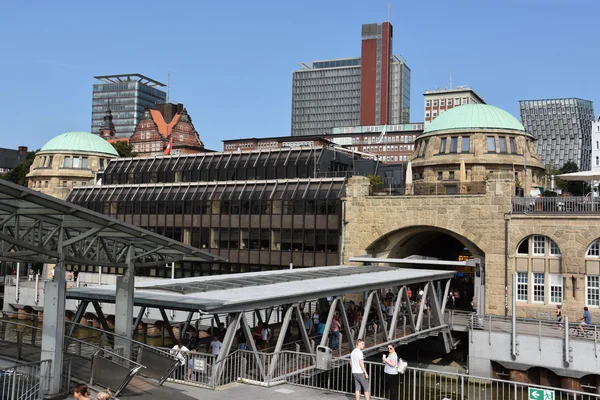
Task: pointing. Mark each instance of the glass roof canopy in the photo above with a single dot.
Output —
(254, 290)
(35, 227)
(320, 188)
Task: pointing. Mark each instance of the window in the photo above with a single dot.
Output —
(502, 144)
(75, 162)
(427, 114)
(522, 286)
(594, 249)
(102, 164)
(49, 161)
(427, 103)
(464, 100)
(592, 290)
(597, 160)
(435, 113)
(67, 163)
(466, 144)
(539, 245)
(598, 143)
(513, 145)
(84, 163)
(453, 144)
(442, 103)
(440, 175)
(435, 103)
(451, 175)
(554, 249)
(443, 146)
(556, 288)
(449, 102)
(538, 287)
(491, 144)
(457, 101)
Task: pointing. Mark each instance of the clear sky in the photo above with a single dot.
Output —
(231, 62)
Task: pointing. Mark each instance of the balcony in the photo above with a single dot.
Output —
(441, 188)
(556, 205)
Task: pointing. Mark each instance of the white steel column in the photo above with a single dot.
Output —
(280, 339)
(250, 340)
(302, 329)
(53, 324)
(325, 336)
(381, 317)
(392, 328)
(419, 325)
(345, 321)
(445, 299)
(124, 306)
(365, 317)
(410, 316)
(225, 348)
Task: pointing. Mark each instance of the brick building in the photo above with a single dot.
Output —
(395, 146)
(161, 125)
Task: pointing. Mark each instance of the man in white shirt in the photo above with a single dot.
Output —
(359, 372)
(215, 345)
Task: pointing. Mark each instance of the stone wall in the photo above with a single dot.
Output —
(378, 224)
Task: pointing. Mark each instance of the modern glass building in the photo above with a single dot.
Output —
(373, 89)
(260, 210)
(325, 95)
(127, 96)
(563, 129)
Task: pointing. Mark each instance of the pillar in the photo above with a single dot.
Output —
(124, 306)
(53, 324)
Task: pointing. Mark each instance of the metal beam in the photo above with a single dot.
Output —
(397, 308)
(218, 366)
(250, 339)
(330, 315)
(365, 317)
(302, 329)
(280, 339)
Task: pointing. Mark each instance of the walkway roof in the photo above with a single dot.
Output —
(35, 227)
(247, 291)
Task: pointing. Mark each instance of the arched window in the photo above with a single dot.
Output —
(592, 274)
(538, 267)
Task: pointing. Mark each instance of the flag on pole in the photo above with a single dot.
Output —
(169, 147)
(383, 132)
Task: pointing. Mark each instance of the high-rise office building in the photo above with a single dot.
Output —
(439, 101)
(563, 129)
(127, 95)
(373, 89)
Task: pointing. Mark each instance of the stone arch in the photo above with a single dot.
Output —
(405, 241)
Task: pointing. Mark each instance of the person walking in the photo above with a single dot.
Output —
(359, 372)
(180, 352)
(558, 313)
(391, 372)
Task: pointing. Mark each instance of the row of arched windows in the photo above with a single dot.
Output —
(539, 278)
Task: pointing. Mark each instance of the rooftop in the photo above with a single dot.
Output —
(474, 116)
(252, 290)
(128, 78)
(79, 142)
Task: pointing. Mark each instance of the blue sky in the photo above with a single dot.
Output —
(231, 62)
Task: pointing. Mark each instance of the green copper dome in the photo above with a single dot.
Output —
(474, 116)
(75, 142)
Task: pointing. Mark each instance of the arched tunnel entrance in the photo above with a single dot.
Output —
(427, 242)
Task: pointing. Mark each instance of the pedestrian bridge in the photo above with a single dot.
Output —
(517, 345)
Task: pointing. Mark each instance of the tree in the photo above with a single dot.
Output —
(124, 148)
(576, 188)
(18, 175)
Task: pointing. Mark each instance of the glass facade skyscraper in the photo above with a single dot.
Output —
(373, 89)
(127, 95)
(562, 128)
(326, 95)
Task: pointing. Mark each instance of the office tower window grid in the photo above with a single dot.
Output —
(563, 129)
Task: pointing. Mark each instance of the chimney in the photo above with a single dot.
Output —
(22, 150)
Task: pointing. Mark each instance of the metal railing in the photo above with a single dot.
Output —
(556, 205)
(28, 381)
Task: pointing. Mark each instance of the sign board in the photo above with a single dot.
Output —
(540, 394)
